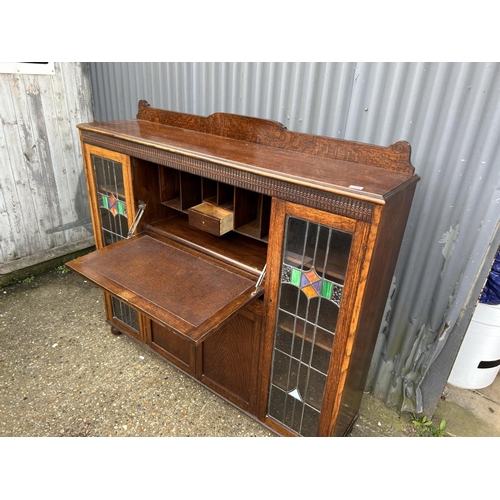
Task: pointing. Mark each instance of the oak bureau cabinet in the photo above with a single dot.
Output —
(255, 259)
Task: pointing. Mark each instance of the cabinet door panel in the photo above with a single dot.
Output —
(229, 358)
(110, 193)
(123, 317)
(316, 255)
(172, 346)
(125, 314)
(112, 207)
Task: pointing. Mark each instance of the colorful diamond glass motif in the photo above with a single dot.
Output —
(113, 204)
(311, 284)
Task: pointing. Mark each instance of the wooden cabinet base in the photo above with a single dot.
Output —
(171, 346)
(227, 361)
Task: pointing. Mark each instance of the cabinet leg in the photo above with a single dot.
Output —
(115, 331)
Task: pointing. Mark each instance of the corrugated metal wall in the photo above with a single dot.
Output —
(44, 210)
(448, 112)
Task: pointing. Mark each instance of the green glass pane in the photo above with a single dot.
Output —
(326, 289)
(104, 201)
(295, 278)
(121, 208)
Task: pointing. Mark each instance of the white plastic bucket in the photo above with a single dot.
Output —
(478, 360)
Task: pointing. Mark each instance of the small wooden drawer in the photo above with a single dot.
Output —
(211, 218)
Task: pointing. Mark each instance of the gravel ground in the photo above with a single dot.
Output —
(62, 373)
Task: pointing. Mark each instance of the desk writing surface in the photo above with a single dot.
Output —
(168, 284)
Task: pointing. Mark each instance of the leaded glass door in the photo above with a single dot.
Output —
(111, 194)
(113, 211)
(311, 263)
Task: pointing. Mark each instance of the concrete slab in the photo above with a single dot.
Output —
(471, 412)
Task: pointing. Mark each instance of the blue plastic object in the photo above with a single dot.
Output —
(491, 290)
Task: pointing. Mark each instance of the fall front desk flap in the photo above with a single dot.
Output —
(180, 290)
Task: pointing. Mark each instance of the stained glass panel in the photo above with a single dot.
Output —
(311, 284)
(110, 187)
(111, 197)
(312, 280)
